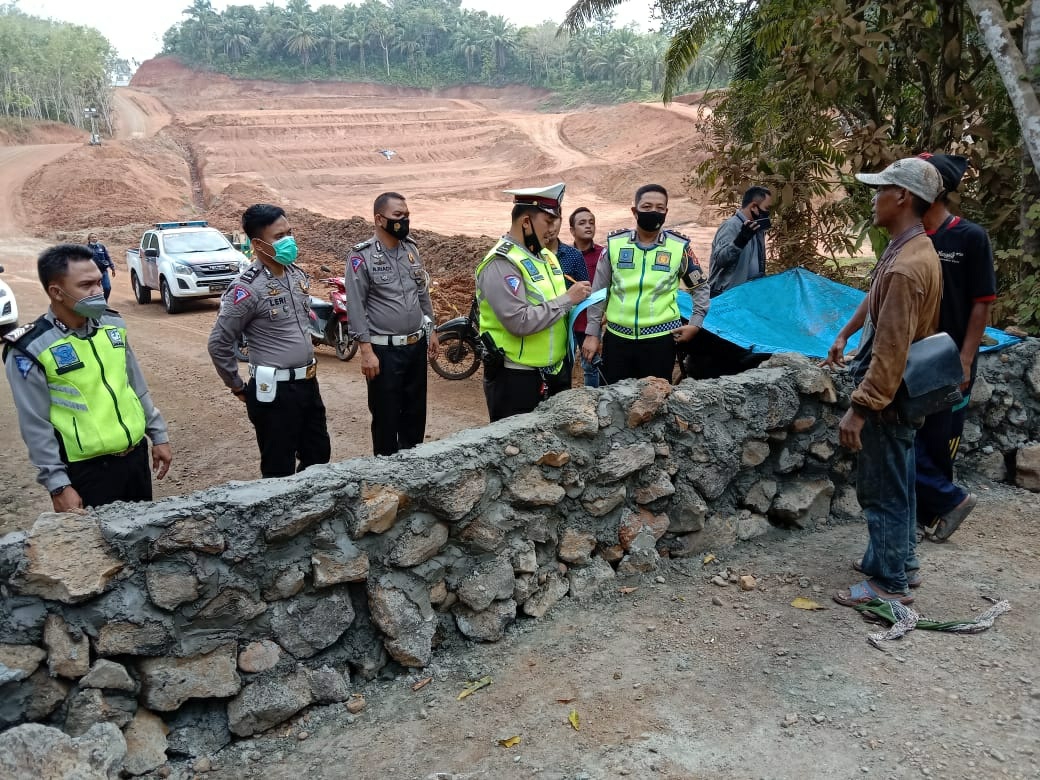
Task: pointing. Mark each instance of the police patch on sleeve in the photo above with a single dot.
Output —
(513, 283)
(356, 262)
(239, 294)
(23, 364)
(116, 338)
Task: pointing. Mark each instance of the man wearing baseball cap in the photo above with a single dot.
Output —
(902, 307)
(523, 301)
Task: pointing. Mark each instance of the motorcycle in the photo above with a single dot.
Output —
(459, 350)
(328, 322)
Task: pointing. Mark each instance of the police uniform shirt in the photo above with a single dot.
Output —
(387, 290)
(32, 396)
(498, 281)
(690, 266)
(273, 312)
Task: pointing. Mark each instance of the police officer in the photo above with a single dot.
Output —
(270, 304)
(391, 316)
(83, 405)
(641, 276)
(523, 302)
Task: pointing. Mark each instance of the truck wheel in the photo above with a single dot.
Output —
(141, 293)
(173, 305)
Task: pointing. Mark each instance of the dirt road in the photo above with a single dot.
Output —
(18, 163)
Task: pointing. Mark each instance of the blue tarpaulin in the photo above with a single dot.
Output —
(795, 311)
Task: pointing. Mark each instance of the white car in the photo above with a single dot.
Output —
(8, 307)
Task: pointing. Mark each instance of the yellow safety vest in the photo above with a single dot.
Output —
(643, 298)
(542, 280)
(93, 407)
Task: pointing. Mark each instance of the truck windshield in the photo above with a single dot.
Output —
(199, 241)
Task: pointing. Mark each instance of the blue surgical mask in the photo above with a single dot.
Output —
(285, 250)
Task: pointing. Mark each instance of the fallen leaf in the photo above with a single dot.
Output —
(627, 590)
(804, 603)
(573, 718)
(422, 684)
(508, 743)
(476, 685)
(708, 558)
(565, 701)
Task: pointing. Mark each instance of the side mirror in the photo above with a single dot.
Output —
(1, 269)
(152, 253)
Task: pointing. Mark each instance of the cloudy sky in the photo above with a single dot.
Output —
(135, 27)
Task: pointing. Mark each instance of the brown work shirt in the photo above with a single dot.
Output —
(903, 306)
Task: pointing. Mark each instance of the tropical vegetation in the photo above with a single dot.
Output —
(51, 70)
(427, 43)
(820, 91)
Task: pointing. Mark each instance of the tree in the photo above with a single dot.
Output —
(331, 33)
(235, 37)
(302, 38)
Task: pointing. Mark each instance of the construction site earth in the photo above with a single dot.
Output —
(671, 676)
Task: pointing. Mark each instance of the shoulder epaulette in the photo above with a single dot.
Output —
(362, 245)
(249, 275)
(111, 311)
(17, 333)
(409, 240)
(617, 232)
(677, 234)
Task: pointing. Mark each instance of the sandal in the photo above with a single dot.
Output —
(944, 526)
(913, 576)
(864, 593)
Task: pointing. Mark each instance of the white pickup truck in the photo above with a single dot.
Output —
(183, 260)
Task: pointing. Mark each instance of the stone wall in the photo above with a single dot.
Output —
(225, 612)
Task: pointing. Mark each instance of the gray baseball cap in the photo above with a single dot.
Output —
(911, 173)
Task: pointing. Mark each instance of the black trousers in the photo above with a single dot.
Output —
(519, 391)
(637, 358)
(935, 447)
(290, 428)
(109, 478)
(397, 397)
(710, 356)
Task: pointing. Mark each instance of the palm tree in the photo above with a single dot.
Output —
(499, 36)
(302, 38)
(235, 38)
(202, 23)
(331, 33)
(698, 22)
(466, 40)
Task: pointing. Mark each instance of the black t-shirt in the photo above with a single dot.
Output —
(967, 272)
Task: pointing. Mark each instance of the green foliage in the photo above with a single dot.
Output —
(423, 43)
(823, 91)
(51, 70)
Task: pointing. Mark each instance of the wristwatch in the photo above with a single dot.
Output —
(59, 490)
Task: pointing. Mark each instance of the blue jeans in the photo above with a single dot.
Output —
(106, 284)
(591, 368)
(885, 489)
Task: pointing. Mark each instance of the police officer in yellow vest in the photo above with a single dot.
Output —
(523, 301)
(83, 405)
(641, 278)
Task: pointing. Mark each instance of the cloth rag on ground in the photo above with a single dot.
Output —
(794, 311)
(903, 620)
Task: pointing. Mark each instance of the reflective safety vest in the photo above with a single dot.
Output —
(542, 280)
(93, 407)
(643, 298)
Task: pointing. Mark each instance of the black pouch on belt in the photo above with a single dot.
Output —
(494, 357)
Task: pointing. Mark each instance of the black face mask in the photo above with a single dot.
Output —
(650, 221)
(398, 228)
(534, 246)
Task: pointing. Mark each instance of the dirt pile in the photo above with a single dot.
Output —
(17, 133)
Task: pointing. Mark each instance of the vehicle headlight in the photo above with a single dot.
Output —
(181, 268)
(243, 265)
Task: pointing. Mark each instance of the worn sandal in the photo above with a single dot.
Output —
(864, 593)
(944, 526)
(913, 576)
